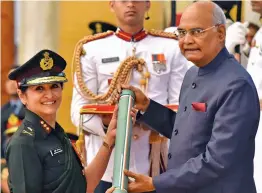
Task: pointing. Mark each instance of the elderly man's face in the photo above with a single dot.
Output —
(199, 48)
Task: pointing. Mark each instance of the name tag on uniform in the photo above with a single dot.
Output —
(56, 151)
(108, 60)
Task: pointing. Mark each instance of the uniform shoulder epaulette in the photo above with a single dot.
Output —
(90, 38)
(161, 33)
(28, 131)
(79, 51)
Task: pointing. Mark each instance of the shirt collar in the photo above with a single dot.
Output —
(131, 37)
(222, 55)
(38, 122)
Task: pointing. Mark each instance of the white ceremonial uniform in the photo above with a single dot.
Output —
(101, 60)
(254, 67)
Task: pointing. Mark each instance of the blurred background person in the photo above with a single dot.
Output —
(13, 107)
(12, 125)
(251, 32)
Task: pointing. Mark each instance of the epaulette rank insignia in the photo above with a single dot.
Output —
(28, 131)
(79, 49)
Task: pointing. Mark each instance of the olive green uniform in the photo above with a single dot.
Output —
(42, 160)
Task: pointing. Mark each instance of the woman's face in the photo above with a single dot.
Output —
(44, 100)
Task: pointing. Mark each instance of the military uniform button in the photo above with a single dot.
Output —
(135, 137)
(169, 155)
(44, 125)
(176, 131)
(193, 85)
(42, 122)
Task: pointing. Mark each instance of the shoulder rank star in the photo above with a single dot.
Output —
(47, 62)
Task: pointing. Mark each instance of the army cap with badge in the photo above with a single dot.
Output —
(45, 67)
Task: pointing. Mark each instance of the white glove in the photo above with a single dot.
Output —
(246, 49)
(236, 35)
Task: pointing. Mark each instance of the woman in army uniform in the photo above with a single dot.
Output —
(40, 157)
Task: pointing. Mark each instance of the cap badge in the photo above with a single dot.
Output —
(47, 62)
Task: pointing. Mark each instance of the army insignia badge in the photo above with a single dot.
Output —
(159, 62)
(47, 62)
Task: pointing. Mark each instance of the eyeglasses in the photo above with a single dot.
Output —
(195, 32)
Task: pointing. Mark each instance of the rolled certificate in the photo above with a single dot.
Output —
(123, 141)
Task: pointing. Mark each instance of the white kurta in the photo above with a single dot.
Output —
(164, 87)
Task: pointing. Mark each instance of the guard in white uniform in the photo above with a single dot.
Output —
(101, 56)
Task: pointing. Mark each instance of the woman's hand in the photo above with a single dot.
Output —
(111, 131)
(110, 190)
(106, 118)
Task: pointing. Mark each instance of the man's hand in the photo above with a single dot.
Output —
(141, 101)
(142, 183)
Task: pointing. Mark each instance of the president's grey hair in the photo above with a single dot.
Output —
(218, 15)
